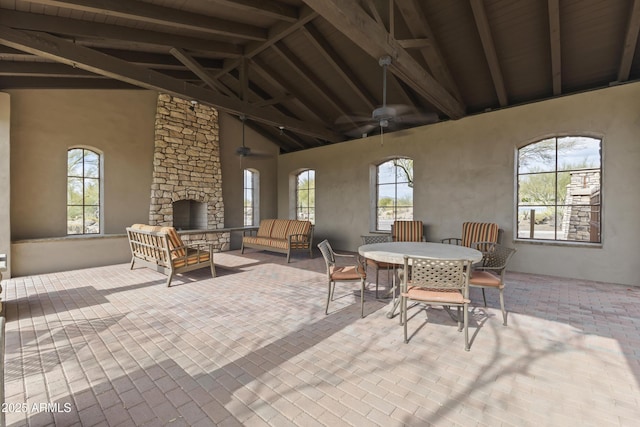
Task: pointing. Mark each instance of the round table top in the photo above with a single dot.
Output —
(394, 252)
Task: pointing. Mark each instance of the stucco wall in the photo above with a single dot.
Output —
(232, 173)
(464, 171)
(5, 189)
(45, 123)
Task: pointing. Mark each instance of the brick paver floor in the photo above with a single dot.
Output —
(113, 347)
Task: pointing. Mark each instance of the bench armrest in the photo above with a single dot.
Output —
(299, 238)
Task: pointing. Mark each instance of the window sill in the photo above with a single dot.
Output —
(70, 238)
(559, 243)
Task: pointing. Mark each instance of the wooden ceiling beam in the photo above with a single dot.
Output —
(415, 43)
(42, 69)
(58, 70)
(158, 60)
(419, 27)
(276, 33)
(30, 82)
(312, 79)
(199, 70)
(60, 50)
(155, 14)
(351, 20)
(273, 134)
(556, 52)
(303, 102)
(484, 30)
(273, 101)
(256, 91)
(78, 28)
(375, 14)
(269, 9)
(630, 42)
(334, 59)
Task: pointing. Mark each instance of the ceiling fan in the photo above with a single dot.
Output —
(244, 151)
(386, 116)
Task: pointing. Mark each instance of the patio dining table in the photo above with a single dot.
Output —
(394, 252)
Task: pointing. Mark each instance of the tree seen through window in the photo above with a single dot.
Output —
(83, 191)
(394, 188)
(306, 196)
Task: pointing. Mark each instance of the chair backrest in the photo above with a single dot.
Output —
(327, 253)
(448, 274)
(407, 231)
(376, 238)
(479, 232)
(494, 256)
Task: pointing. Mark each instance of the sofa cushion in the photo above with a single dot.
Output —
(146, 227)
(298, 227)
(175, 241)
(266, 241)
(280, 227)
(193, 257)
(265, 228)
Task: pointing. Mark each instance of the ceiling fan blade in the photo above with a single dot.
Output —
(350, 119)
(362, 130)
(401, 109)
(257, 155)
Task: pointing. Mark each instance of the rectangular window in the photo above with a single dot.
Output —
(559, 186)
(83, 191)
(250, 197)
(306, 196)
(394, 192)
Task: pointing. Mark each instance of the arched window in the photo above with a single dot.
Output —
(559, 189)
(394, 192)
(83, 191)
(251, 197)
(306, 195)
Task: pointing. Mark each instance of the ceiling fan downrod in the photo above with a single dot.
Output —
(384, 62)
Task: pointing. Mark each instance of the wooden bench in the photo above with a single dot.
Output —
(281, 235)
(162, 249)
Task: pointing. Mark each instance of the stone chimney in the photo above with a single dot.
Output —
(186, 166)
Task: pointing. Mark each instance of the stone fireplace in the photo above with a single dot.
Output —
(186, 190)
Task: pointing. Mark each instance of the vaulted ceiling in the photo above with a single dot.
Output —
(306, 73)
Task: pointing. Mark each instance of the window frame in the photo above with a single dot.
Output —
(375, 192)
(255, 196)
(84, 178)
(556, 170)
(311, 209)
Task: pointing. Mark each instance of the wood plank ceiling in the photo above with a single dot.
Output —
(307, 73)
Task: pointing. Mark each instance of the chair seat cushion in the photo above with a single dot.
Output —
(485, 279)
(266, 241)
(452, 296)
(193, 257)
(350, 272)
